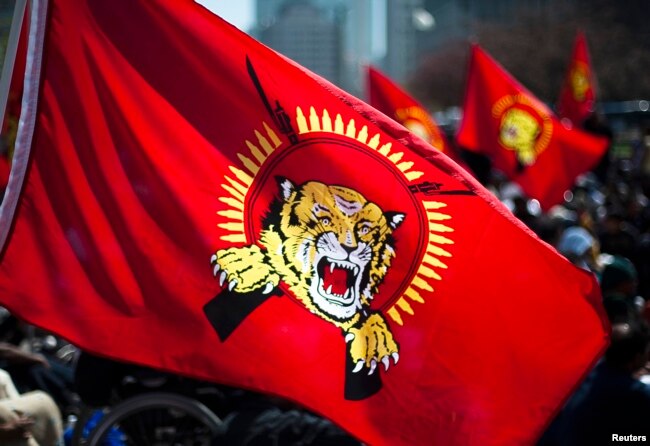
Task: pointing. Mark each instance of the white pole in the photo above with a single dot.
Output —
(10, 56)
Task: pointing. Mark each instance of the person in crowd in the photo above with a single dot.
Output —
(618, 237)
(579, 247)
(618, 283)
(30, 419)
(30, 370)
(612, 400)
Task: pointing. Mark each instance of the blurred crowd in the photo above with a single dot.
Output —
(603, 226)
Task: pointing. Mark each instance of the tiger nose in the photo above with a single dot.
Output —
(349, 243)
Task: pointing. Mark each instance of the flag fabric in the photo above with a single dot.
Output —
(5, 169)
(578, 92)
(521, 135)
(389, 98)
(190, 200)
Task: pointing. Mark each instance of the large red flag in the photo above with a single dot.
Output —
(503, 120)
(387, 97)
(578, 93)
(190, 200)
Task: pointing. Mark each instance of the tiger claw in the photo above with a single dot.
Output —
(231, 285)
(373, 366)
(349, 337)
(213, 259)
(386, 361)
(268, 288)
(216, 269)
(395, 357)
(358, 367)
(222, 279)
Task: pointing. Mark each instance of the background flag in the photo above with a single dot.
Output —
(389, 98)
(578, 93)
(520, 134)
(190, 200)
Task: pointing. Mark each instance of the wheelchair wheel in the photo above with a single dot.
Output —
(157, 419)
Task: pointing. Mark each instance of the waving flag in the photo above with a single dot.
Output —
(503, 120)
(578, 94)
(387, 97)
(190, 200)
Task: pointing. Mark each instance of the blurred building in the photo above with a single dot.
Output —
(337, 38)
(305, 33)
(401, 38)
(357, 47)
(330, 37)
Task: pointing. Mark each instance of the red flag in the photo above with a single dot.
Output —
(5, 169)
(578, 93)
(503, 120)
(364, 275)
(387, 97)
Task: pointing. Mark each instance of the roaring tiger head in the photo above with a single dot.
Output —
(519, 132)
(331, 245)
(579, 79)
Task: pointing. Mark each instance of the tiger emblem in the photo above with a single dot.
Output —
(579, 80)
(519, 132)
(333, 248)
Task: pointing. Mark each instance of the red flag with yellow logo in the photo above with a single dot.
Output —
(578, 94)
(387, 97)
(520, 134)
(188, 199)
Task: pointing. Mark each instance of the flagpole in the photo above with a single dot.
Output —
(10, 56)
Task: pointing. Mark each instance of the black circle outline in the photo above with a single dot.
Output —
(276, 157)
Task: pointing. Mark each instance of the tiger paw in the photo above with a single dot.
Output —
(244, 269)
(372, 343)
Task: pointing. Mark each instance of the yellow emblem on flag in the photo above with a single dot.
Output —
(525, 127)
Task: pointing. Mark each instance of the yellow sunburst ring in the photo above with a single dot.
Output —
(431, 262)
(237, 185)
(508, 101)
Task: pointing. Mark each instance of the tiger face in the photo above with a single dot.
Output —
(519, 132)
(331, 245)
(579, 83)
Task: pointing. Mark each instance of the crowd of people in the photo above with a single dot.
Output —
(604, 227)
(35, 389)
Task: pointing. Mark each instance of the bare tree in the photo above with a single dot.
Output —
(536, 49)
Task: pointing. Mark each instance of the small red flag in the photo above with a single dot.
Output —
(387, 97)
(578, 92)
(520, 134)
(190, 200)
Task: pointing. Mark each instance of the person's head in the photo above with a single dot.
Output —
(613, 221)
(577, 245)
(630, 345)
(548, 229)
(619, 276)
